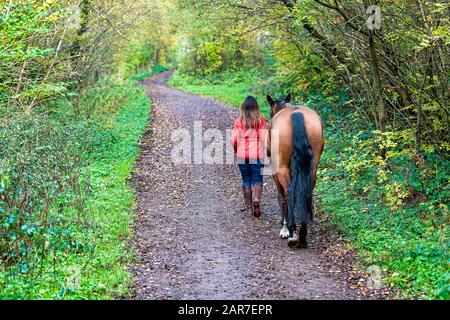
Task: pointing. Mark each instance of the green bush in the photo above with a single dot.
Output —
(70, 119)
(65, 203)
(393, 209)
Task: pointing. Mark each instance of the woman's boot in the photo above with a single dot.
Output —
(257, 192)
(247, 194)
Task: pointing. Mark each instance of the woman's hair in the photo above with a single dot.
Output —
(250, 113)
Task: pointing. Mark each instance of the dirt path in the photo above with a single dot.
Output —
(191, 238)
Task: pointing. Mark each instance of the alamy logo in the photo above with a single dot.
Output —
(73, 18)
(374, 19)
(212, 146)
(374, 280)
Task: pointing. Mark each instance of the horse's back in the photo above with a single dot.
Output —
(282, 125)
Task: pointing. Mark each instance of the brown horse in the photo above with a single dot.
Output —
(294, 143)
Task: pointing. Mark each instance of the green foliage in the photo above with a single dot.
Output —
(70, 120)
(307, 73)
(134, 58)
(23, 26)
(209, 44)
(393, 209)
(66, 237)
(27, 164)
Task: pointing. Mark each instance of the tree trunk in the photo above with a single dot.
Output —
(377, 86)
(85, 10)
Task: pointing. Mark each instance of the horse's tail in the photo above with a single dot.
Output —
(300, 189)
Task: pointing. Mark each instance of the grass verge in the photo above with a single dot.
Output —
(83, 252)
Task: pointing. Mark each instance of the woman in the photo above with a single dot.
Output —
(247, 140)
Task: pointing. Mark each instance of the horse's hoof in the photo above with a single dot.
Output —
(303, 245)
(293, 242)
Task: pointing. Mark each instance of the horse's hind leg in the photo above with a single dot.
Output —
(288, 220)
(284, 233)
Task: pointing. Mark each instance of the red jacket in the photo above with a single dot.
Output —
(249, 143)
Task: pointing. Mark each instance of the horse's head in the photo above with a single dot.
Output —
(278, 105)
